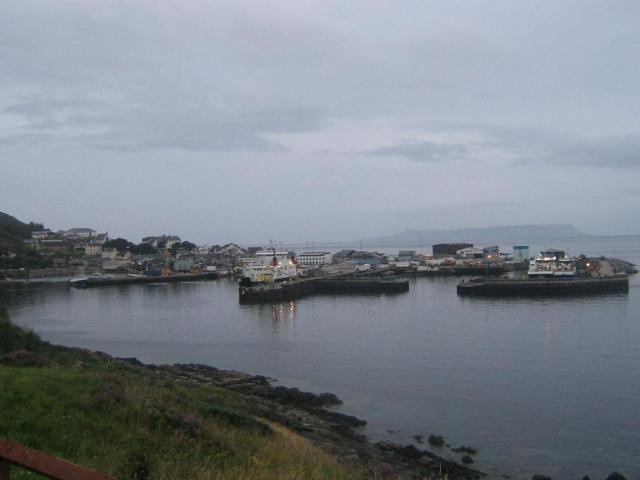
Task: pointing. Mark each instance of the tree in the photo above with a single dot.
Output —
(182, 246)
(120, 244)
(188, 246)
(144, 249)
(33, 226)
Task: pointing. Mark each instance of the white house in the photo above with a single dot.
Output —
(79, 233)
(183, 264)
(99, 238)
(230, 250)
(109, 253)
(93, 250)
(40, 234)
(314, 258)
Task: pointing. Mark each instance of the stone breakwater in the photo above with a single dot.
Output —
(306, 413)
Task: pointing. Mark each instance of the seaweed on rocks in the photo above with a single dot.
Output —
(465, 449)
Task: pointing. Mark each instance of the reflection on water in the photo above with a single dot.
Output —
(283, 312)
(282, 315)
(530, 382)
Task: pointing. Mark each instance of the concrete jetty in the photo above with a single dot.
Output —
(332, 285)
(544, 286)
(127, 280)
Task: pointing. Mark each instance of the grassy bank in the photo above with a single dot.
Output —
(131, 422)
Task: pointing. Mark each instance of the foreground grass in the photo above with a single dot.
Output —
(130, 423)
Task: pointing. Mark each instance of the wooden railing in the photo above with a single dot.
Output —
(41, 463)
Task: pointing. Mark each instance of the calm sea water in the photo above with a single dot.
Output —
(537, 385)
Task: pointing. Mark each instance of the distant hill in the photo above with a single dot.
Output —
(13, 232)
(486, 235)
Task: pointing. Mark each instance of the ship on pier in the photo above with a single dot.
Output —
(552, 263)
(553, 273)
(269, 267)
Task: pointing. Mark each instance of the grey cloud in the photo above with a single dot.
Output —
(142, 127)
(521, 146)
(203, 129)
(38, 106)
(446, 62)
(428, 152)
(621, 151)
(531, 146)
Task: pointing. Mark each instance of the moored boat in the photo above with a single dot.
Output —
(552, 263)
(269, 267)
(79, 282)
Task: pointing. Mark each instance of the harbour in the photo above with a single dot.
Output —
(321, 325)
(561, 364)
(320, 240)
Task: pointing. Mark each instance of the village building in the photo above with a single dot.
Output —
(40, 234)
(183, 264)
(470, 252)
(230, 250)
(448, 249)
(314, 258)
(54, 245)
(79, 233)
(116, 264)
(491, 253)
(109, 253)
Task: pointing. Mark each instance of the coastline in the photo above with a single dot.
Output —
(256, 403)
(308, 415)
(188, 372)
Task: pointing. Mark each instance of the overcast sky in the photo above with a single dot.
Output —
(299, 121)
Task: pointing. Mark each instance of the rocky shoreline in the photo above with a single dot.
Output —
(306, 414)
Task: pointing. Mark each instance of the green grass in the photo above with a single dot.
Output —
(131, 423)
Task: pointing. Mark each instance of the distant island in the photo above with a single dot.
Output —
(497, 234)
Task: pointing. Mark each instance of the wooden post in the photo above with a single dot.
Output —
(52, 467)
(5, 470)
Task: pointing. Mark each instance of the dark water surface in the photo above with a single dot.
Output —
(537, 385)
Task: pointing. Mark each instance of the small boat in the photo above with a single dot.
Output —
(79, 282)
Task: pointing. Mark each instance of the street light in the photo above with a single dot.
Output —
(488, 257)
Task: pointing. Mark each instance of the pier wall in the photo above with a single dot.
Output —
(103, 282)
(361, 285)
(300, 288)
(544, 287)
